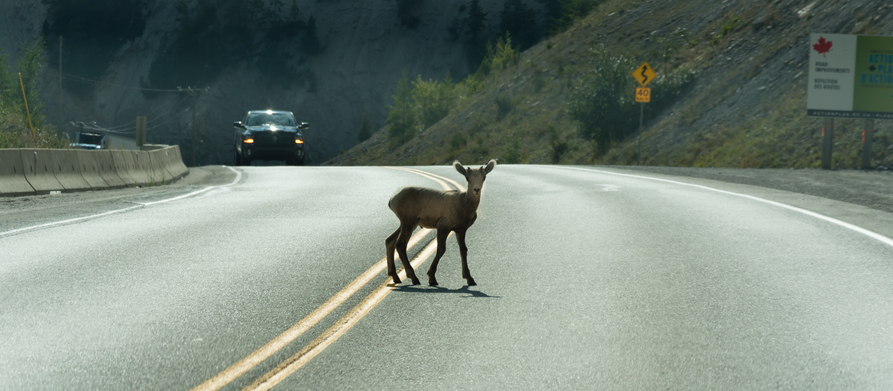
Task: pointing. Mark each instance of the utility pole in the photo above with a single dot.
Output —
(194, 92)
(60, 86)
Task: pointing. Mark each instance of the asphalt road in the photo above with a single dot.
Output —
(588, 278)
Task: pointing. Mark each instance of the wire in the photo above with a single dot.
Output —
(81, 79)
(132, 124)
(170, 118)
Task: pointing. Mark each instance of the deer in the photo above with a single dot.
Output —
(445, 211)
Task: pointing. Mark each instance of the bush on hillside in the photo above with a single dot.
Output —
(604, 102)
(433, 99)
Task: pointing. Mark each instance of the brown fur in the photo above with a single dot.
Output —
(444, 211)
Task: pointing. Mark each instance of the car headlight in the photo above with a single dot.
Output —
(248, 141)
(299, 141)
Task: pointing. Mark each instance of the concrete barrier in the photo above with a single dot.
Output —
(12, 174)
(40, 171)
(172, 162)
(107, 168)
(89, 164)
(121, 166)
(175, 162)
(159, 173)
(38, 164)
(67, 171)
(141, 170)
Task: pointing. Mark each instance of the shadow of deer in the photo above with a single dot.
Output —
(444, 211)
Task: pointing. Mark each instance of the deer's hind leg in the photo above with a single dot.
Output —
(391, 245)
(406, 228)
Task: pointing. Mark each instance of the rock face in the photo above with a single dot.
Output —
(365, 50)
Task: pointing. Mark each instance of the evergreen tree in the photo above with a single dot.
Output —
(365, 129)
(475, 21)
(310, 40)
(402, 120)
(519, 21)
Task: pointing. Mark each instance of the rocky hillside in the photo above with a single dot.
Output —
(363, 49)
(746, 106)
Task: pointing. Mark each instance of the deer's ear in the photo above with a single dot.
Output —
(458, 167)
(490, 166)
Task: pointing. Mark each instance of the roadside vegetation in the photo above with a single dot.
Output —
(15, 130)
(420, 104)
(730, 91)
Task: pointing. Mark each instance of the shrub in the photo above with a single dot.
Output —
(514, 155)
(504, 105)
(458, 141)
(604, 105)
(29, 65)
(433, 99)
(500, 57)
(603, 102)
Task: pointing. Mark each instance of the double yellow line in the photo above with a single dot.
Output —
(334, 332)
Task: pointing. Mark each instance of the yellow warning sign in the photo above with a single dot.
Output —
(644, 74)
(643, 94)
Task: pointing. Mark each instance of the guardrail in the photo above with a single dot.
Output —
(41, 171)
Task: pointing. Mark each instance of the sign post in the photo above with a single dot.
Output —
(827, 143)
(644, 74)
(850, 76)
(867, 133)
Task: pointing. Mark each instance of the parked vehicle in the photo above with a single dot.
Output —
(269, 135)
(86, 140)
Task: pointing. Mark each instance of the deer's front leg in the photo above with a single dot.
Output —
(463, 251)
(442, 234)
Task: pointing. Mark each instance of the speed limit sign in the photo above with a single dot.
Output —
(643, 94)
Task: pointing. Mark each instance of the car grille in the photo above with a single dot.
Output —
(274, 139)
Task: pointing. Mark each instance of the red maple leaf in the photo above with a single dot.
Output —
(823, 46)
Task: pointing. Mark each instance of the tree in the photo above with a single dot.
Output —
(402, 120)
(551, 12)
(365, 129)
(29, 66)
(310, 41)
(520, 21)
(433, 99)
(475, 21)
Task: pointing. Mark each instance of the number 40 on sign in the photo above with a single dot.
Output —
(643, 94)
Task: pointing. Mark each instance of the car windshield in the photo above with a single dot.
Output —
(89, 138)
(281, 119)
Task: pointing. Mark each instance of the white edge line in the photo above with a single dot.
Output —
(855, 228)
(74, 220)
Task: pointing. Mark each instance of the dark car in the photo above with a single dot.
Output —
(269, 135)
(84, 140)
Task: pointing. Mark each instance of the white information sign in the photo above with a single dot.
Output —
(850, 76)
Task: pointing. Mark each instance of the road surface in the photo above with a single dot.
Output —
(588, 278)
